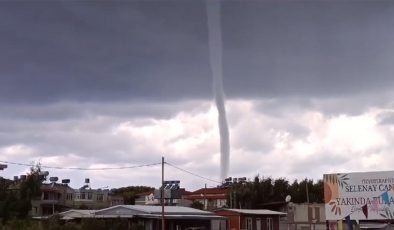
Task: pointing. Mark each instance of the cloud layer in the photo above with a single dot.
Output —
(304, 142)
(110, 84)
(158, 50)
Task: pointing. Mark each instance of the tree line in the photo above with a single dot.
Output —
(262, 192)
(130, 193)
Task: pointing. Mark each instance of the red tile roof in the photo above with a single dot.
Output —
(208, 193)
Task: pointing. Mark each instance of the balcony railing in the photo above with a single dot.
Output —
(49, 201)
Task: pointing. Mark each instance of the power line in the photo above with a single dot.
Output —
(191, 173)
(81, 168)
(108, 168)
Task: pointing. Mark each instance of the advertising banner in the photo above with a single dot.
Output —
(359, 196)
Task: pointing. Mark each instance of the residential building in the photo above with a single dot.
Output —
(59, 197)
(251, 219)
(176, 218)
(211, 198)
(153, 198)
(307, 216)
(146, 198)
(53, 199)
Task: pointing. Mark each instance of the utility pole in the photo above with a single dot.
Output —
(162, 194)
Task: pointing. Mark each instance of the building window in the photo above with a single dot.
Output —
(258, 224)
(114, 202)
(249, 223)
(50, 196)
(100, 197)
(83, 196)
(270, 224)
(69, 196)
(221, 203)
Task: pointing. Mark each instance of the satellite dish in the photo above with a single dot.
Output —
(288, 198)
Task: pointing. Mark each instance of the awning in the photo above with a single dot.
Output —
(183, 217)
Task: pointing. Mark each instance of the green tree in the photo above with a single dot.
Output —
(306, 190)
(316, 192)
(129, 193)
(295, 192)
(5, 199)
(265, 190)
(281, 189)
(197, 205)
(15, 201)
(30, 188)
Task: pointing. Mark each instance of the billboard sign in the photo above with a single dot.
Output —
(359, 196)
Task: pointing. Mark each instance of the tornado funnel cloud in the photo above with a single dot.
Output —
(215, 51)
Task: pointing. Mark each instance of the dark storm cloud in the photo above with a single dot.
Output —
(91, 138)
(157, 50)
(354, 104)
(308, 47)
(102, 50)
(75, 111)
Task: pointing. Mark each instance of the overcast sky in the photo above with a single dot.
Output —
(309, 89)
